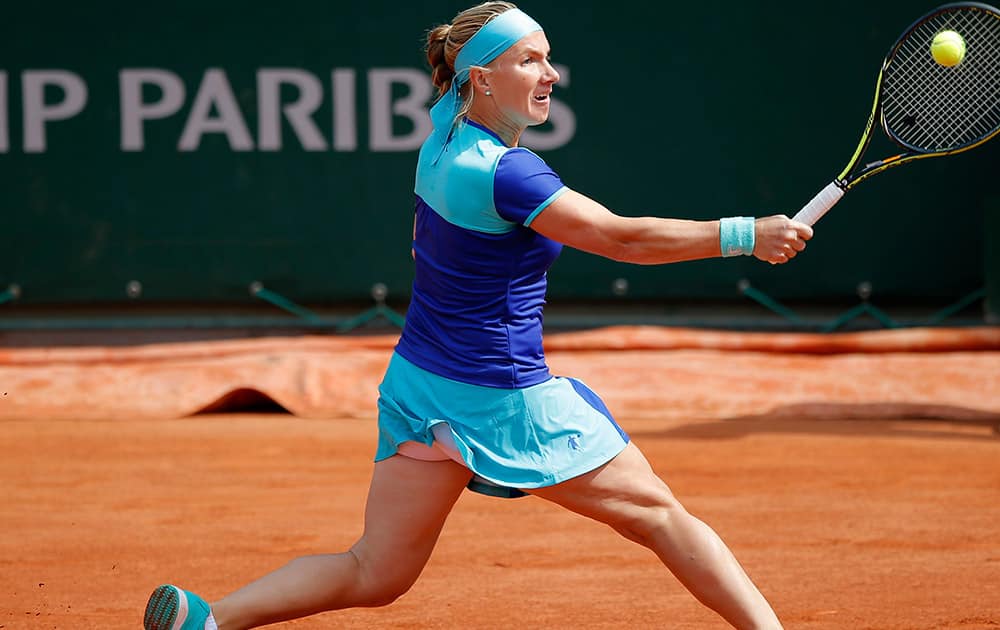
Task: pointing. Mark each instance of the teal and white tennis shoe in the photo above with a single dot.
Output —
(171, 608)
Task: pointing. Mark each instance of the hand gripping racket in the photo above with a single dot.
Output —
(929, 110)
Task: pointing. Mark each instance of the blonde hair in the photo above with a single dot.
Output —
(445, 41)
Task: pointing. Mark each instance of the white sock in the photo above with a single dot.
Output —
(210, 623)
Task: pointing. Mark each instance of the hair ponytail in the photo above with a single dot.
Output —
(442, 72)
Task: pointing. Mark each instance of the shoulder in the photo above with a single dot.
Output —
(519, 163)
(523, 185)
(455, 178)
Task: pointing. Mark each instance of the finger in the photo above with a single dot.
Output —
(804, 231)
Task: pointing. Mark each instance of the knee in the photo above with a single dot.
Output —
(383, 596)
(378, 584)
(385, 592)
(646, 521)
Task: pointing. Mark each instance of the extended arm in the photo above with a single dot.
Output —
(582, 223)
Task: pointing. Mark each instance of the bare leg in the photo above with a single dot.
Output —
(627, 495)
(408, 503)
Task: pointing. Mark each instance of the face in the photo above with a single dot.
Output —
(521, 80)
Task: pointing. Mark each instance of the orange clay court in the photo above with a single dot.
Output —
(856, 476)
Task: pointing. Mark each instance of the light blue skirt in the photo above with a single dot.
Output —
(519, 438)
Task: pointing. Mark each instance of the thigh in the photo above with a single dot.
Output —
(408, 503)
(615, 493)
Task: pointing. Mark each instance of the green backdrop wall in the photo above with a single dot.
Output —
(199, 148)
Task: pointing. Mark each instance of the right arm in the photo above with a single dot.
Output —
(576, 220)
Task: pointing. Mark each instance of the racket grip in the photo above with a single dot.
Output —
(823, 201)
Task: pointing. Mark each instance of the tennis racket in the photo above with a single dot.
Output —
(927, 109)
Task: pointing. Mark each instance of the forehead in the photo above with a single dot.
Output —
(532, 42)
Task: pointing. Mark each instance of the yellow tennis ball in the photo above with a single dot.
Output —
(948, 48)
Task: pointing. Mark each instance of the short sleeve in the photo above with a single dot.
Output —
(523, 186)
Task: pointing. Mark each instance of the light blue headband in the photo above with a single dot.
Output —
(487, 44)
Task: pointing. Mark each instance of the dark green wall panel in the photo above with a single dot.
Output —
(680, 110)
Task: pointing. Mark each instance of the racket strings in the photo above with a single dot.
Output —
(933, 108)
(970, 91)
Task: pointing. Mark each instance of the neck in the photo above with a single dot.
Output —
(508, 131)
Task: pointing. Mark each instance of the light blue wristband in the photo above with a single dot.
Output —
(736, 236)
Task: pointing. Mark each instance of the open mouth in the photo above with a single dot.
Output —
(541, 98)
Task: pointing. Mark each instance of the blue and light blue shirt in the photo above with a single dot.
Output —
(476, 310)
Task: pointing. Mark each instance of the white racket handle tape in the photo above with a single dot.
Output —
(820, 204)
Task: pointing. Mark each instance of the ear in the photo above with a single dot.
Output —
(479, 78)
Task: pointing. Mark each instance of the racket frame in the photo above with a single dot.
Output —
(849, 176)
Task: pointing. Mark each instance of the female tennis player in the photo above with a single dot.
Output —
(467, 399)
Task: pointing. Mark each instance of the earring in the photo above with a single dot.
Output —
(488, 93)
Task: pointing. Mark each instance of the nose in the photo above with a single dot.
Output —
(551, 74)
